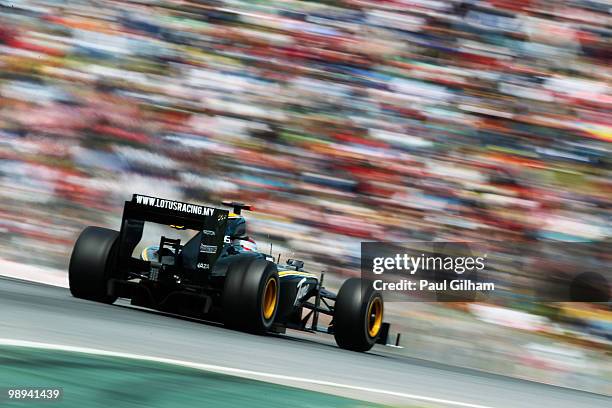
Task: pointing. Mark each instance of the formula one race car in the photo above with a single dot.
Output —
(218, 275)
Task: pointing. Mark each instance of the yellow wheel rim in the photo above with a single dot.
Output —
(269, 298)
(375, 315)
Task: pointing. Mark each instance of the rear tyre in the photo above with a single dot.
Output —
(91, 263)
(250, 295)
(358, 315)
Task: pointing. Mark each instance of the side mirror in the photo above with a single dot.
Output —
(295, 263)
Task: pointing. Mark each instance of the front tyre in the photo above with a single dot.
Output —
(91, 263)
(358, 315)
(250, 295)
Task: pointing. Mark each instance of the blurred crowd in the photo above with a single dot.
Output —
(340, 121)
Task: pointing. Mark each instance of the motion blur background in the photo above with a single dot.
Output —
(341, 122)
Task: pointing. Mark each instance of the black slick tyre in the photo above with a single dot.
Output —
(251, 295)
(358, 315)
(91, 263)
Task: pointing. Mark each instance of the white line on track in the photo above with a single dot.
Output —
(234, 371)
(33, 273)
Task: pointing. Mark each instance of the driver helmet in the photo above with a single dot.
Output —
(246, 244)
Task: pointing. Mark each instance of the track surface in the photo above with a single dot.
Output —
(35, 312)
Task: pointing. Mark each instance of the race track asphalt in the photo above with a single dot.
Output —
(41, 313)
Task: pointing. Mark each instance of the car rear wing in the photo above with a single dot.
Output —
(200, 252)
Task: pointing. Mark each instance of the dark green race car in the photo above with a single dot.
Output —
(218, 275)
